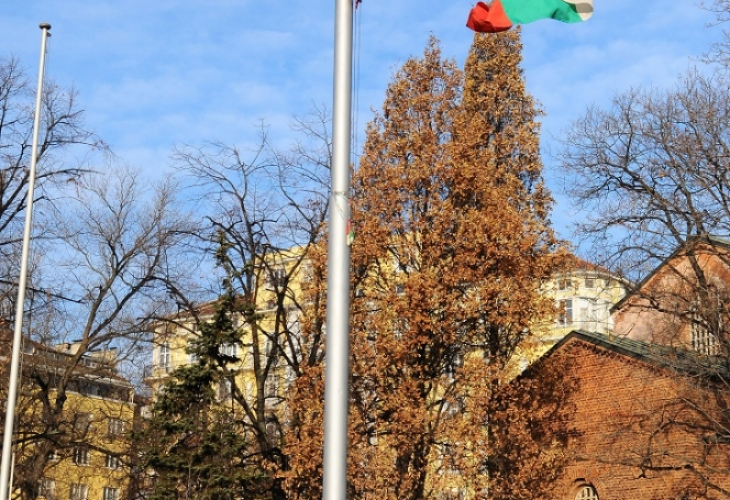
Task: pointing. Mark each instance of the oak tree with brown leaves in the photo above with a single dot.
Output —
(452, 242)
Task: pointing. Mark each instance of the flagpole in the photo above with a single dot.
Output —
(6, 461)
(337, 373)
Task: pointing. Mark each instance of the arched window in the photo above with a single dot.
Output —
(587, 492)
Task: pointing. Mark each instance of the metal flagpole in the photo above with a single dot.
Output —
(337, 373)
(19, 310)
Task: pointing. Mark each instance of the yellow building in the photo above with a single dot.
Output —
(584, 295)
(87, 447)
(279, 295)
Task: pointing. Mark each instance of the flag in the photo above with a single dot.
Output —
(501, 15)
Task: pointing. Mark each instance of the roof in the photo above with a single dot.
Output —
(576, 266)
(584, 265)
(674, 358)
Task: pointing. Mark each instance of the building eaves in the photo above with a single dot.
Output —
(666, 357)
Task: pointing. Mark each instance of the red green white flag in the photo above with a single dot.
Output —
(501, 15)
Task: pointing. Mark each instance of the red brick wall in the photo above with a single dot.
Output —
(619, 402)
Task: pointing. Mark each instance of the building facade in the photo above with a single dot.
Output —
(82, 451)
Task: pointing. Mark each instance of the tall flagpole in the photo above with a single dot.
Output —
(6, 462)
(337, 373)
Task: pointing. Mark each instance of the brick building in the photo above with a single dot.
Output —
(684, 301)
(644, 423)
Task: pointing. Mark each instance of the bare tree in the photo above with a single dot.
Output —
(62, 131)
(111, 243)
(652, 171)
(262, 213)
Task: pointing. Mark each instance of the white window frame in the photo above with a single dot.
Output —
(81, 455)
(587, 492)
(115, 427)
(164, 355)
(82, 422)
(565, 315)
(228, 350)
(565, 284)
(275, 278)
(112, 461)
(225, 390)
(702, 340)
(47, 488)
(272, 385)
(109, 493)
(79, 491)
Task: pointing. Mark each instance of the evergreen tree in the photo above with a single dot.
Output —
(194, 444)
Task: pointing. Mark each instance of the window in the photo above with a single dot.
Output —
(82, 422)
(193, 358)
(276, 278)
(453, 408)
(116, 427)
(110, 493)
(452, 494)
(702, 340)
(587, 492)
(270, 346)
(228, 350)
(590, 283)
(565, 284)
(224, 390)
(47, 488)
(79, 492)
(589, 312)
(447, 460)
(271, 386)
(565, 316)
(453, 365)
(163, 359)
(307, 273)
(81, 455)
(703, 321)
(272, 429)
(111, 462)
(400, 328)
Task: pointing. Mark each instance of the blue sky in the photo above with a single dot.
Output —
(153, 74)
